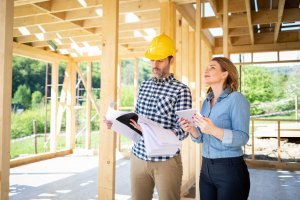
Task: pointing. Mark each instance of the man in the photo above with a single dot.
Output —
(158, 99)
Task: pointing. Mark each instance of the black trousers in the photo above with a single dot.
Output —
(224, 179)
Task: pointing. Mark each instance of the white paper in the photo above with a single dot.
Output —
(112, 114)
(120, 127)
(158, 140)
(187, 114)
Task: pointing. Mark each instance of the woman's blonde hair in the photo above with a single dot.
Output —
(232, 80)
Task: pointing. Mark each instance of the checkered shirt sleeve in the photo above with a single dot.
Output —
(158, 100)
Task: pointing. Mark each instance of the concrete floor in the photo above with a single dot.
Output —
(75, 177)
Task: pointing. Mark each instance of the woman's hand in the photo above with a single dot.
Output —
(185, 125)
(136, 125)
(108, 123)
(208, 127)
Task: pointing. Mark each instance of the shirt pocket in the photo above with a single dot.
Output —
(164, 105)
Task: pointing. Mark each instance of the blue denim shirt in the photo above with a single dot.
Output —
(231, 112)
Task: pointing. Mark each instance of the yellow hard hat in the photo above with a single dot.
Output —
(160, 48)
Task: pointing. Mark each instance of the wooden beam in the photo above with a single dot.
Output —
(249, 20)
(107, 146)
(188, 13)
(261, 17)
(70, 110)
(54, 107)
(35, 20)
(27, 10)
(6, 23)
(85, 83)
(279, 19)
(233, 22)
(39, 157)
(24, 2)
(225, 29)
(238, 31)
(198, 35)
(178, 71)
(263, 38)
(88, 106)
(260, 48)
(168, 19)
(264, 17)
(235, 6)
(136, 80)
(38, 54)
(168, 24)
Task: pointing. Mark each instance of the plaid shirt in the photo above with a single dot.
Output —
(158, 100)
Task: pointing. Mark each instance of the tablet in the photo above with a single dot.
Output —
(187, 114)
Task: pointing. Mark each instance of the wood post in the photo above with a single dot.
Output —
(136, 79)
(54, 107)
(70, 111)
(6, 46)
(168, 23)
(107, 146)
(225, 28)
(198, 88)
(88, 106)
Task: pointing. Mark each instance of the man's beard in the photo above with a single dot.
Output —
(157, 72)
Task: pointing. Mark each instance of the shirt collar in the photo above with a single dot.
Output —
(167, 79)
(224, 94)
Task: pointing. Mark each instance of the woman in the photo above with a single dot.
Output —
(223, 128)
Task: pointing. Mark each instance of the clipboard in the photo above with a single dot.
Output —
(187, 114)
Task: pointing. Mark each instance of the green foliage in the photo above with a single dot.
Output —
(23, 96)
(22, 123)
(26, 146)
(258, 84)
(293, 84)
(36, 98)
(28, 72)
(144, 70)
(127, 98)
(127, 77)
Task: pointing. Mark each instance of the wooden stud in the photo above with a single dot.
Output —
(178, 71)
(260, 47)
(70, 110)
(107, 146)
(168, 23)
(88, 106)
(119, 99)
(198, 87)
(252, 136)
(136, 80)
(54, 107)
(62, 99)
(185, 52)
(89, 95)
(279, 19)
(225, 29)
(6, 38)
(250, 27)
(278, 139)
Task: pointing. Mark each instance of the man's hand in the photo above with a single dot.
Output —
(136, 125)
(107, 122)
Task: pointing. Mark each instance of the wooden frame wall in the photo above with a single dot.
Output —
(6, 24)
